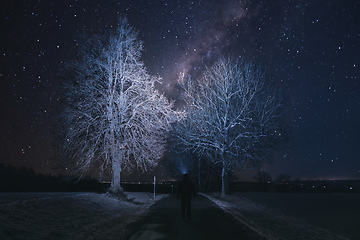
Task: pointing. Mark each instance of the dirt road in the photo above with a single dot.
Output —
(208, 222)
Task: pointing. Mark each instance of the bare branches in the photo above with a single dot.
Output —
(232, 112)
(115, 116)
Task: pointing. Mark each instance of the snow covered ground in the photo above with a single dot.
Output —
(71, 215)
(295, 216)
(102, 216)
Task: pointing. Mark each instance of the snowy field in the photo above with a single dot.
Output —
(296, 215)
(100, 216)
(71, 215)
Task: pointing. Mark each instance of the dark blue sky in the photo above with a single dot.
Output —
(310, 48)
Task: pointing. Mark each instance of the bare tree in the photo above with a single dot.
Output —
(232, 115)
(263, 176)
(115, 118)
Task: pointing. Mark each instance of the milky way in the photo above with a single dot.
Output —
(209, 41)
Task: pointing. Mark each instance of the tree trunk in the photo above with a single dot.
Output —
(199, 176)
(223, 179)
(115, 186)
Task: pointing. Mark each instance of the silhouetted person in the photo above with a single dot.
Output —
(186, 189)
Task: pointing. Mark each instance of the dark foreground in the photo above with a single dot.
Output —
(208, 222)
(71, 216)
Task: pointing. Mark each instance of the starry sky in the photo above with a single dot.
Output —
(310, 48)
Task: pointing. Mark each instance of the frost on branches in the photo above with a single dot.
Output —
(115, 118)
(233, 115)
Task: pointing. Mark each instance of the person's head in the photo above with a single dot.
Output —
(186, 177)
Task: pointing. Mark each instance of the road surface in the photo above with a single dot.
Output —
(208, 222)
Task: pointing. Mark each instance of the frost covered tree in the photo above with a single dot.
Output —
(115, 117)
(233, 115)
(263, 176)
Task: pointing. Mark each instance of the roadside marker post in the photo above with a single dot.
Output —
(154, 185)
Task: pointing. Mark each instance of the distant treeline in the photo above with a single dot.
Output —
(14, 179)
(314, 186)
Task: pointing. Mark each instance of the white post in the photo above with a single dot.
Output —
(154, 185)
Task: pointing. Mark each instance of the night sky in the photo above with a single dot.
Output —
(310, 48)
